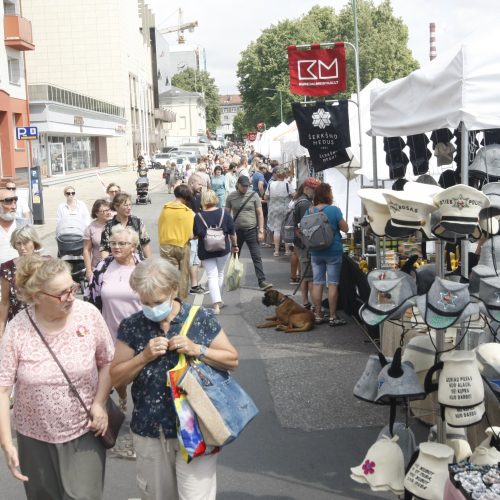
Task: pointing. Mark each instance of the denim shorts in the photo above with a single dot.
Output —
(193, 258)
(326, 268)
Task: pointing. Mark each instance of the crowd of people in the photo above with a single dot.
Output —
(126, 330)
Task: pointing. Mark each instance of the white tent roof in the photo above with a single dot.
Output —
(459, 85)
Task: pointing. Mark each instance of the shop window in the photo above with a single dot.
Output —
(14, 70)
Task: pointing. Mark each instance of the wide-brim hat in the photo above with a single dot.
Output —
(464, 417)
(459, 208)
(489, 294)
(398, 381)
(366, 388)
(411, 209)
(456, 438)
(382, 467)
(446, 303)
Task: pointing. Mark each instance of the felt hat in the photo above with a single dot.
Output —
(425, 276)
(382, 467)
(446, 303)
(489, 261)
(463, 417)
(366, 387)
(448, 235)
(427, 476)
(420, 353)
(427, 179)
(456, 438)
(406, 439)
(487, 452)
(444, 153)
(488, 217)
(488, 359)
(489, 293)
(411, 209)
(398, 381)
(459, 208)
(393, 144)
(427, 189)
(389, 298)
(491, 136)
(448, 178)
(486, 164)
(441, 135)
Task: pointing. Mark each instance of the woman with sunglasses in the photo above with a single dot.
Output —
(73, 215)
(101, 213)
(109, 288)
(58, 453)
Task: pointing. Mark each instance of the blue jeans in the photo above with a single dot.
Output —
(326, 268)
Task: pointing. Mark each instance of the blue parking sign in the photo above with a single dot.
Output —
(26, 133)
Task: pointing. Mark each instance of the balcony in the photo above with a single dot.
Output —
(18, 34)
(164, 115)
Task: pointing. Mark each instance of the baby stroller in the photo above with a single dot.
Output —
(142, 191)
(70, 248)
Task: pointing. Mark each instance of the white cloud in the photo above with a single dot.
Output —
(226, 27)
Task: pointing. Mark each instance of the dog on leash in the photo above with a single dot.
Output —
(290, 317)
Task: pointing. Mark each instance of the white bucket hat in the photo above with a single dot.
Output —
(455, 438)
(459, 208)
(411, 210)
(421, 354)
(383, 467)
(427, 476)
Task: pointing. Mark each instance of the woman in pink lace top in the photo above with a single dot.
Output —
(58, 454)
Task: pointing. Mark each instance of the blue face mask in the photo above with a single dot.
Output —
(157, 313)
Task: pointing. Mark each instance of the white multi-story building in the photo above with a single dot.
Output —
(230, 105)
(91, 82)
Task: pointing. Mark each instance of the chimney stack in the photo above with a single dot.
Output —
(432, 32)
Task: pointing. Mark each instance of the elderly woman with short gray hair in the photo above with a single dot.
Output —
(148, 346)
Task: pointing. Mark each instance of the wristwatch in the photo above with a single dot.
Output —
(203, 352)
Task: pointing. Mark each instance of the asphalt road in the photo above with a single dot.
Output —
(310, 429)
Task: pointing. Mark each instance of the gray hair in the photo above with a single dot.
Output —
(119, 229)
(154, 275)
(24, 234)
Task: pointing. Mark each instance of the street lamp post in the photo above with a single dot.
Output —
(281, 99)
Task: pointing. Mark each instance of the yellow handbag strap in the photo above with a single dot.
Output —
(187, 324)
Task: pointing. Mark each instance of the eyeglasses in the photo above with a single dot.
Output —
(10, 188)
(104, 211)
(7, 201)
(114, 191)
(70, 193)
(119, 243)
(63, 297)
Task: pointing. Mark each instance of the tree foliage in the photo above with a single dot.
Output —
(200, 81)
(241, 126)
(383, 53)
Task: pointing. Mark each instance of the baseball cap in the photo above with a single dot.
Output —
(312, 182)
(243, 180)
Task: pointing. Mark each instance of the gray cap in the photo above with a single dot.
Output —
(489, 261)
(366, 387)
(489, 293)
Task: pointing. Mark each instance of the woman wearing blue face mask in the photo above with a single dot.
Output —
(148, 346)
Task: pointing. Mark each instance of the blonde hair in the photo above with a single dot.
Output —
(33, 271)
(153, 276)
(194, 177)
(24, 234)
(119, 228)
(209, 199)
(68, 187)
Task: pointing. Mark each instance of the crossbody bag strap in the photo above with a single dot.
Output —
(71, 386)
(243, 206)
(202, 219)
(187, 324)
(221, 218)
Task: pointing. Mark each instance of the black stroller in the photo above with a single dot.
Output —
(142, 191)
(70, 249)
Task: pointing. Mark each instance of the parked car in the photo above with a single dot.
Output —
(161, 160)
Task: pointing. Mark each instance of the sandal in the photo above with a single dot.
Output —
(276, 254)
(307, 306)
(337, 322)
(122, 403)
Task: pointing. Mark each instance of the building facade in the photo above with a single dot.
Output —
(91, 83)
(230, 106)
(15, 155)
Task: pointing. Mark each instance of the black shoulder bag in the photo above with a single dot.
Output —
(243, 206)
(115, 415)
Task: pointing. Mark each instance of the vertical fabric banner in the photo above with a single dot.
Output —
(317, 72)
(324, 131)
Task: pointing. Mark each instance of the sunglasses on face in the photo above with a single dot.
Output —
(12, 199)
(70, 193)
(63, 297)
(10, 188)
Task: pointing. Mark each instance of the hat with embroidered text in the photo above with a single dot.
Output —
(489, 293)
(459, 208)
(463, 417)
(366, 387)
(382, 467)
(427, 476)
(448, 235)
(446, 303)
(411, 209)
(389, 298)
(456, 438)
(398, 382)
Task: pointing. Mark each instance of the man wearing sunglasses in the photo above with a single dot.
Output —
(8, 206)
(23, 212)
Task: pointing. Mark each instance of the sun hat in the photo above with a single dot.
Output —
(420, 353)
(459, 208)
(312, 182)
(366, 387)
(382, 467)
(411, 209)
(389, 298)
(456, 438)
(398, 381)
(427, 476)
(463, 417)
(446, 303)
(406, 439)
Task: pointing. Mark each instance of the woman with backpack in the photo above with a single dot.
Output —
(327, 262)
(214, 228)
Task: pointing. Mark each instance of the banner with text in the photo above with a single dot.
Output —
(317, 72)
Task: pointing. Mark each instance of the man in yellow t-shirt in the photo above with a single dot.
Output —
(175, 229)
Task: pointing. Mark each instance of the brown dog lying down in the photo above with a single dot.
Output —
(290, 316)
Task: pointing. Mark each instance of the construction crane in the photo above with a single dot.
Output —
(180, 28)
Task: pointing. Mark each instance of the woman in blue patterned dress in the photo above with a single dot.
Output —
(218, 186)
(148, 346)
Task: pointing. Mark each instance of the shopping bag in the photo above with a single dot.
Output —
(235, 273)
(189, 435)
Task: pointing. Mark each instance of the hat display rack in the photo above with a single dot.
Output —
(394, 382)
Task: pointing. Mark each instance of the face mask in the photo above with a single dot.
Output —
(157, 313)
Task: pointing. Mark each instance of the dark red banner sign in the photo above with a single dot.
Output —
(261, 126)
(251, 136)
(317, 72)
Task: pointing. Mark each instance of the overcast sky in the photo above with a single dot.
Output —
(226, 27)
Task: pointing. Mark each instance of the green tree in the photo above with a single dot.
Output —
(383, 53)
(200, 81)
(241, 126)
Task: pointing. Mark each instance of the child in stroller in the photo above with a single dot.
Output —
(142, 191)
(69, 237)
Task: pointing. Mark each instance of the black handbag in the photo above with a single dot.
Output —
(115, 415)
